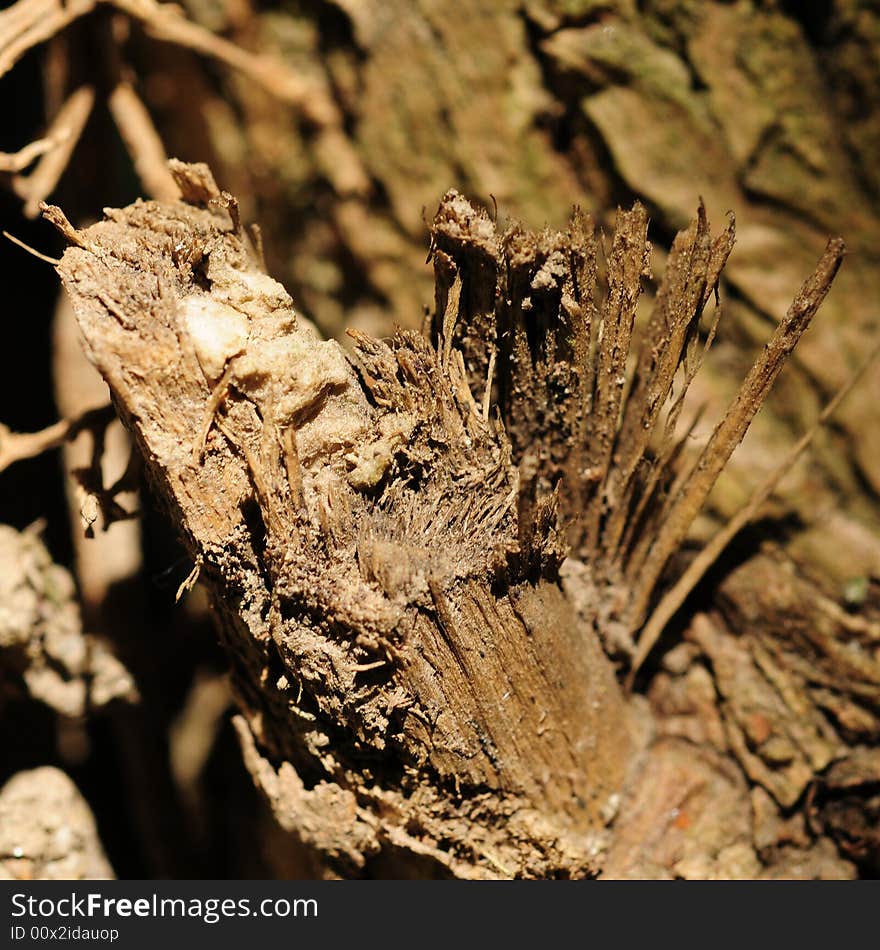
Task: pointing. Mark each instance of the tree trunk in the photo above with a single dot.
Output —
(497, 600)
(383, 534)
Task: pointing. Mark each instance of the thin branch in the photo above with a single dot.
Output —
(54, 261)
(65, 130)
(142, 142)
(28, 23)
(16, 446)
(165, 21)
(15, 162)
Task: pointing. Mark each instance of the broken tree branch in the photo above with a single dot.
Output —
(414, 674)
(394, 654)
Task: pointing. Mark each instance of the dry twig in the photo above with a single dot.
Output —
(65, 131)
(27, 23)
(16, 446)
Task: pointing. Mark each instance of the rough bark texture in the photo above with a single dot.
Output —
(761, 107)
(339, 131)
(399, 655)
(382, 533)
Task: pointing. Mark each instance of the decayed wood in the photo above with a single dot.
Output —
(358, 528)
(598, 105)
(584, 94)
(416, 550)
(609, 456)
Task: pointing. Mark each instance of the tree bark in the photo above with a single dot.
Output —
(382, 534)
(433, 558)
